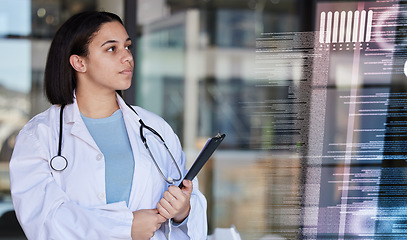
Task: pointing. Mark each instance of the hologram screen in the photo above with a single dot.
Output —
(340, 108)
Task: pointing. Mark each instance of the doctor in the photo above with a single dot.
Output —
(105, 183)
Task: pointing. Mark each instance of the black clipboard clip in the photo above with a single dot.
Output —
(203, 156)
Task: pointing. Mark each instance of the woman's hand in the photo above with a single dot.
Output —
(145, 223)
(175, 202)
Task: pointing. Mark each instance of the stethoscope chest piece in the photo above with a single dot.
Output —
(58, 163)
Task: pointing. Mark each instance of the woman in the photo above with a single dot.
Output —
(80, 169)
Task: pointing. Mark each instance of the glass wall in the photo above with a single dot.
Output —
(311, 96)
(197, 67)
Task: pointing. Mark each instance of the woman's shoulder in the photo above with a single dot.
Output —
(44, 119)
(161, 126)
(146, 114)
(152, 119)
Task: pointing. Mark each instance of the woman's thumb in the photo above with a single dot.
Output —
(188, 186)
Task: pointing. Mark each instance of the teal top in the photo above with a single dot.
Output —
(110, 135)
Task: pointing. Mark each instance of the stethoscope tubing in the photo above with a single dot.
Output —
(60, 163)
(61, 113)
(169, 180)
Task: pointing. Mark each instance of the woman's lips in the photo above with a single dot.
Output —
(127, 72)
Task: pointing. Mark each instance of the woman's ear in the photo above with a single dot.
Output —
(78, 63)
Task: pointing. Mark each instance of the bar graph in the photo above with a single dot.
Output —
(345, 27)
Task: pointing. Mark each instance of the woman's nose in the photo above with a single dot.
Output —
(127, 56)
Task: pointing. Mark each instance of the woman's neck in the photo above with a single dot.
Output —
(97, 106)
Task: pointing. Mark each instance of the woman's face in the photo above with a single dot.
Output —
(109, 64)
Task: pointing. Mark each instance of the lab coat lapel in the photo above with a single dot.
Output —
(73, 116)
(143, 165)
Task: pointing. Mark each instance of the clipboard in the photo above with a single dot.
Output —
(203, 156)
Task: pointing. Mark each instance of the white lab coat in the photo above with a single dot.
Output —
(71, 204)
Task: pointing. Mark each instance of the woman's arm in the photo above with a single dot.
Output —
(45, 211)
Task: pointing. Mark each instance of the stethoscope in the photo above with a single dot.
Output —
(60, 163)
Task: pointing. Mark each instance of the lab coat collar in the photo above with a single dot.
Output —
(125, 108)
(72, 116)
(71, 111)
(143, 165)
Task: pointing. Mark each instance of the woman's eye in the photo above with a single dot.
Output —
(111, 49)
(128, 47)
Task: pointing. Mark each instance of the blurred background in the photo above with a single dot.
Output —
(311, 95)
